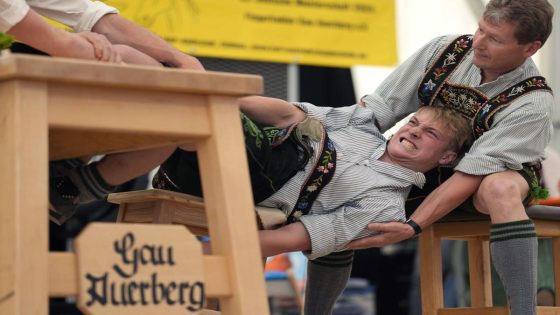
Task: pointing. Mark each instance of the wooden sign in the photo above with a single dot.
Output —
(139, 269)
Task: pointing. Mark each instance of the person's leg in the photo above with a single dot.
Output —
(513, 242)
(270, 166)
(326, 279)
(85, 183)
(72, 183)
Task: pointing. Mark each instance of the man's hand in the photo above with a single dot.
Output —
(389, 233)
(103, 49)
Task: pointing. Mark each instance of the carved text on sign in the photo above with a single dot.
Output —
(132, 271)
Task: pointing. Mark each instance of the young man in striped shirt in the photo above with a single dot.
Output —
(369, 177)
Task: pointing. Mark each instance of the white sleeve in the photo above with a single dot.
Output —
(334, 118)
(11, 13)
(518, 135)
(80, 15)
(397, 95)
(331, 232)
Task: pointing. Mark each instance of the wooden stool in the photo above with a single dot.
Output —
(475, 230)
(168, 207)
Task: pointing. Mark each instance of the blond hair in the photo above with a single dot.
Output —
(455, 124)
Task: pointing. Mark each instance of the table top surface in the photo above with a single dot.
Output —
(77, 71)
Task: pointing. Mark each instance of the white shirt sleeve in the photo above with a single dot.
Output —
(397, 95)
(333, 231)
(334, 118)
(80, 15)
(518, 135)
(11, 13)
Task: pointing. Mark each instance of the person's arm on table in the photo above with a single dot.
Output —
(271, 111)
(122, 31)
(37, 33)
(289, 238)
(440, 202)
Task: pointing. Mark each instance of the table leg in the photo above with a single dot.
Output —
(230, 209)
(23, 198)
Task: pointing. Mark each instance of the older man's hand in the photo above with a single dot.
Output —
(103, 49)
(389, 233)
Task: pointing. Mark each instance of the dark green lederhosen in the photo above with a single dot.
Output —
(271, 163)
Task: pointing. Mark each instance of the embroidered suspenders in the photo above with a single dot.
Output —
(323, 169)
(469, 102)
(485, 115)
(448, 60)
(320, 176)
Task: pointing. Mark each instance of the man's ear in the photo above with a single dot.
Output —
(447, 157)
(532, 48)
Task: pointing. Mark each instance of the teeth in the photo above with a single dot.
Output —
(408, 145)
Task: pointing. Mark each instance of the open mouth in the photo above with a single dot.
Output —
(409, 146)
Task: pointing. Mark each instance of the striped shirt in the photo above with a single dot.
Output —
(362, 190)
(518, 134)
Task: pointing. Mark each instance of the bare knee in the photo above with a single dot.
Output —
(501, 195)
(496, 189)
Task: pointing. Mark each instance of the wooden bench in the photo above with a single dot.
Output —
(168, 207)
(475, 230)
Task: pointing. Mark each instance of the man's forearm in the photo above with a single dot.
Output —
(35, 32)
(271, 111)
(290, 238)
(445, 198)
(122, 31)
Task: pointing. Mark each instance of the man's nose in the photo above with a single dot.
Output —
(416, 131)
(478, 41)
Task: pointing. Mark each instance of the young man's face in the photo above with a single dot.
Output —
(421, 144)
(497, 51)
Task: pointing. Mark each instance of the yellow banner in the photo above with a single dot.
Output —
(313, 32)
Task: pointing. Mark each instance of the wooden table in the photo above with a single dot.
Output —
(54, 108)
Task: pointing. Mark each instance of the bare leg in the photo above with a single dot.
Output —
(513, 241)
(119, 168)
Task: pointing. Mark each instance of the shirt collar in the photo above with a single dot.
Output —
(396, 171)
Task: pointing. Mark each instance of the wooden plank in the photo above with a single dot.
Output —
(54, 69)
(431, 282)
(154, 112)
(480, 273)
(473, 229)
(63, 271)
(475, 310)
(547, 228)
(23, 196)
(67, 143)
(462, 230)
(156, 194)
(156, 119)
(541, 310)
(229, 208)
